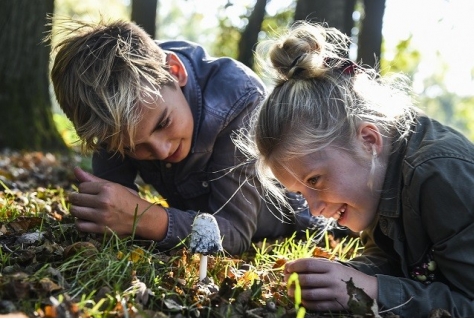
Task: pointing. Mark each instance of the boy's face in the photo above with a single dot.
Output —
(166, 129)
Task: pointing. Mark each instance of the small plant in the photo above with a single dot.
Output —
(293, 280)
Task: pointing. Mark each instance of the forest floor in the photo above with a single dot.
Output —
(49, 269)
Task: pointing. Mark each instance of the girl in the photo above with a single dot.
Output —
(363, 156)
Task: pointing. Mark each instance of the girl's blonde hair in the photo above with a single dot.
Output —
(100, 73)
(319, 98)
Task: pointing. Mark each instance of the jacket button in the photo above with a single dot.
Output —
(205, 184)
(168, 165)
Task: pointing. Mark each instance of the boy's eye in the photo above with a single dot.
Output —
(164, 123)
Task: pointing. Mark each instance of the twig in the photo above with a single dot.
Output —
(403, 304)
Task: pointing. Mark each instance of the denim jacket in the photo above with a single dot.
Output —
(426, 214)
(213, 178)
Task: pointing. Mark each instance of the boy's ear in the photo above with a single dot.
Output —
(371, 137)
(176, 68)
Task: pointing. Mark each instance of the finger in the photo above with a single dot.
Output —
(309, 265)
(90, 227)
(93, 188)
(83, 176)
(313, 294)
(315, 280)
(86, 213)
(85, 199)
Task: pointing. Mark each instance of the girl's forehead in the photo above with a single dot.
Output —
(310, 158)
(298, 166)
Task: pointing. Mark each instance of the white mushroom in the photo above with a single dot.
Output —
(205, 240)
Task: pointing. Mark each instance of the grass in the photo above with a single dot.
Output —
(61, 272)
(122, 277)
(103, 276)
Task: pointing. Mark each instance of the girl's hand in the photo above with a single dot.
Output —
(323, 283)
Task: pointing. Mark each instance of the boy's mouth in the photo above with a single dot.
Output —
(174, 156)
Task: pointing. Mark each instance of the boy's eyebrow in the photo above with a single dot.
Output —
(160, 120)
(162, 117)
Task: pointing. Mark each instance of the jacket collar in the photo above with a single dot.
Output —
(390, 203)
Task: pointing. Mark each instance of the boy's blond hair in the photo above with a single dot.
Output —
(100, 73)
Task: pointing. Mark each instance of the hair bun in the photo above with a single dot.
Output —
(303, 52)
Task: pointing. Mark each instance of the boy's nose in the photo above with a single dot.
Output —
(161, 150)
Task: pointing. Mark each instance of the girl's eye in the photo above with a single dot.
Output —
(164, 124)
(313, 180)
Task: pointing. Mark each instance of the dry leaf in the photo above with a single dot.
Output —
(322, 253)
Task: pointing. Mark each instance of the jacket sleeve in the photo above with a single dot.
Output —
(114, 168)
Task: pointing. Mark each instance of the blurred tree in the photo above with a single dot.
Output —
(405, 59)
(433, 95)
(144, 14)
(447, 107)
(335, 13)
(339, 14)
(249, 36)
(239, 41)
(25, 105)
(370, 33)
(176, 23)
(92, 10)
(227, 40)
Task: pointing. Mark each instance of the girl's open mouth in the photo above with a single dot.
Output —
(341, 214)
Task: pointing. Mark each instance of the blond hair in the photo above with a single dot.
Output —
(319, 99)
(100, 73)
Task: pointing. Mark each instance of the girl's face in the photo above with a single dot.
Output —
(335, 185)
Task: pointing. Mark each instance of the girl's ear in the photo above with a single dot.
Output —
(371, 137)
(176, 68)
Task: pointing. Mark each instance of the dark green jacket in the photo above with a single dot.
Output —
(426, 211)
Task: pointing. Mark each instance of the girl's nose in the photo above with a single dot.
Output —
(316, 206)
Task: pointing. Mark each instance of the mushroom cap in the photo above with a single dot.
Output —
(205, 235)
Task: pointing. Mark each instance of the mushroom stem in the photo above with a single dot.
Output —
(203, 267)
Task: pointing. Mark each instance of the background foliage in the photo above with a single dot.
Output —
(188, 19)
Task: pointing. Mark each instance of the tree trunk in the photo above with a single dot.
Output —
(370, 35)
(334, 13)
(25, 104)
(144, 14)
(249, 37)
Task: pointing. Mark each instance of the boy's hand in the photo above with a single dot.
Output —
(102, 206)
(323, 283)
